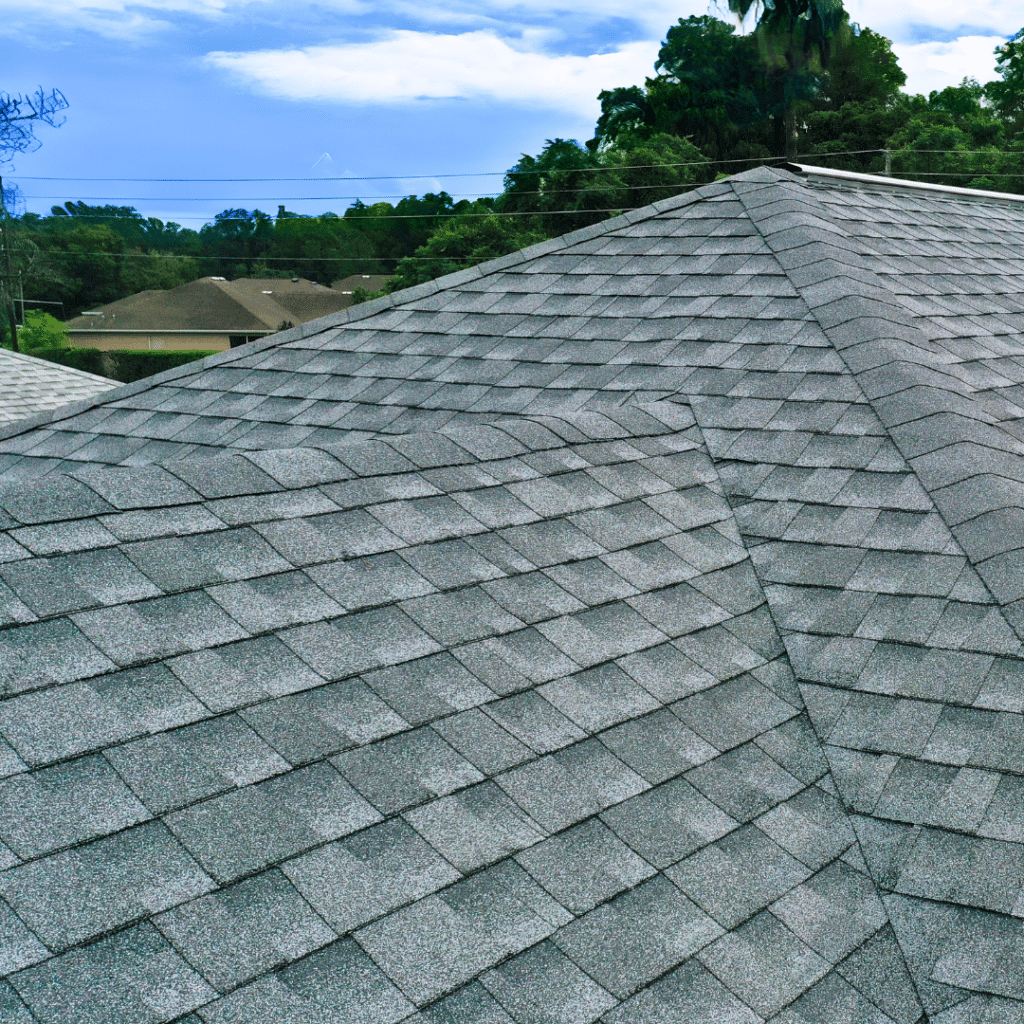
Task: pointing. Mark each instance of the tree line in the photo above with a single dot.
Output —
(804, 82)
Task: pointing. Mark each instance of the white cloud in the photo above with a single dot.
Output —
(115, 19)
(406, 66)
(935, 65)
(913, 20)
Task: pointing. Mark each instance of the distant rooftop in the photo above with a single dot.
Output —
(245, 305)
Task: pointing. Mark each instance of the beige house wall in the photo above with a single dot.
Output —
(157, 341)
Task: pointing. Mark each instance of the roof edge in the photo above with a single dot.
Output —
(883, 183)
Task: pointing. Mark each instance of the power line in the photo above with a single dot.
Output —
(491, 174)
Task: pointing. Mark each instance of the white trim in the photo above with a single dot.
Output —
(827, 174)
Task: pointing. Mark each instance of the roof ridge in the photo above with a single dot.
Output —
(353, 314)
(894, 366)
(831, 176)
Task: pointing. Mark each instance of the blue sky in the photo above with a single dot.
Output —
(415, 91)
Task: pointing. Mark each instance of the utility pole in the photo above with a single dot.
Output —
(12, 317)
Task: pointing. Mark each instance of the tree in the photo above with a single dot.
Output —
(862, 69)
(795, 39)
(19, 116)
(460, 242)
(42, 331)
(708, 89)
(1007, 94)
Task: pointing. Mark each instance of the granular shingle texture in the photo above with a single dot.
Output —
(626, 630)
(29, 386)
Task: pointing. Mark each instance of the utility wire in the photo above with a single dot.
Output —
(491, 174)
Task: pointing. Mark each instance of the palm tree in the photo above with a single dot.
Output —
(795, 39)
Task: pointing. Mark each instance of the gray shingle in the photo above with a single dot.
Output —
(571, 784)
(68, 720)
(584, 866)
(406, 769)
(63, 805)
(482, 741)
(314, 724)
(442, 941)
(542, 984)
(45, 653)
(477, 826)
(145, 980)
(63, 584)
(636, 937)
(72, 896)
(684, 994)
(237, 674)
(657, 746)
(247, 829)
(764, 963)
(197, 761)
(272, 602)
(158, 628)
(337, 983)
(360, 641)
(738, 875)
(599, 698)
(237, 933)
(355, 880)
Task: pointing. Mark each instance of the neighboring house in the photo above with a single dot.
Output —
(29, 386)
(626, 629)
(371, 282)
(211, 313)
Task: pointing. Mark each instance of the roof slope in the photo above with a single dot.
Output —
(29, 386)
(629, 629)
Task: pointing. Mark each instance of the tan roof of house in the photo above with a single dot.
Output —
(371, 282)
(212, 304)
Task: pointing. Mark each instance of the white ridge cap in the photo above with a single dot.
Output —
(827, 174)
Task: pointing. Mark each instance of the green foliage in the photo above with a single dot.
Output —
(1007, 94)
(569, 186)
(862, 69)
(805, 80)
(459, 243)
(88, 359)
(708, 89)
(360, 294)
(955, 139)
(121, 366)
(41, 331)
(132, 366)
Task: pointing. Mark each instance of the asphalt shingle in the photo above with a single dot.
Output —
(627, 629)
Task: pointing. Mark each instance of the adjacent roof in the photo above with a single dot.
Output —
(628, 629)
(29, 385)
(213, 304)
(371, 282)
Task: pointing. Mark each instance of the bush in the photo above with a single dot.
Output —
(125, 367)
(42, 331)
(132, 366)
(88, 359)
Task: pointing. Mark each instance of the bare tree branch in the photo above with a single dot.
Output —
(19, 115)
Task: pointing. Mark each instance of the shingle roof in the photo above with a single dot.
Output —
(628, 629)
(29, 385)
(213, 304)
